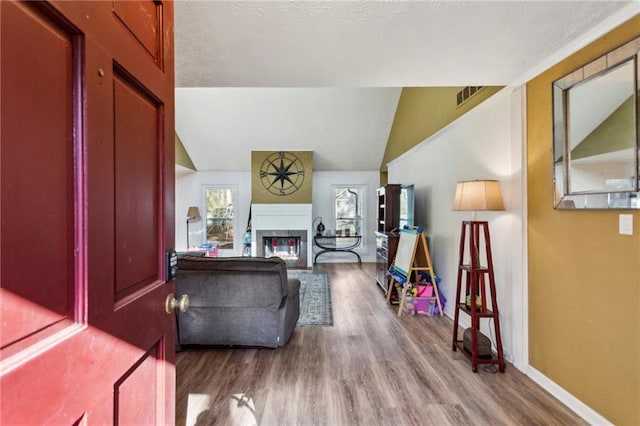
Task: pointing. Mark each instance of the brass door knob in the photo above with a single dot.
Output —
(182, 303)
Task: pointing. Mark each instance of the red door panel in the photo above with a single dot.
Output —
(142, 20)
(37, 173)
(135, 393)
(86, 212)
(136, 188)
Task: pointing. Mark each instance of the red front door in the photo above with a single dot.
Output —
(87, 172)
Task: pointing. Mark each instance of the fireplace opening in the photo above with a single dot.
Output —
(288, 248)
(289, 245)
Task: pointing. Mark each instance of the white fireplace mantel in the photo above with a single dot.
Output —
(282, 217)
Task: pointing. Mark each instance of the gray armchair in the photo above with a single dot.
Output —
(247, 301)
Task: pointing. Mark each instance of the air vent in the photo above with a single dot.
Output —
(466, 93)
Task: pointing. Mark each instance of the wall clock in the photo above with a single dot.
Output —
(282, 173)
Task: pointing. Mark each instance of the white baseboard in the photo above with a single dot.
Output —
(573, 403)
(577, 406)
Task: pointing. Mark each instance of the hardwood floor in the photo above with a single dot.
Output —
(370, 368)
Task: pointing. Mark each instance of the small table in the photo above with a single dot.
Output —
(337, 243)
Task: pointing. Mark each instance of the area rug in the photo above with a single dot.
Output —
(315, 298)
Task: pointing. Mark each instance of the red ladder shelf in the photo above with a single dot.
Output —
(475, 286)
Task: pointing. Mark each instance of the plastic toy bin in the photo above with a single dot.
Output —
(419, 306)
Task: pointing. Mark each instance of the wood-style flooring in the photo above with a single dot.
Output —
(369, 368)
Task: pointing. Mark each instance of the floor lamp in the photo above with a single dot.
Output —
(473, 196)
(193, 215)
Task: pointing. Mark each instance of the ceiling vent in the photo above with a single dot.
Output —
(466, 93)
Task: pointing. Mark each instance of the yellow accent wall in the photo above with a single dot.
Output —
(260, 194)
(584, 278)
(384, 178)
(422, 111)
(182, 157)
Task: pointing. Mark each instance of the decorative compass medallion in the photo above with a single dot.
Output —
(282, 173)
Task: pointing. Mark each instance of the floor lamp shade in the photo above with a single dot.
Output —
(193, 214)
(477, 195)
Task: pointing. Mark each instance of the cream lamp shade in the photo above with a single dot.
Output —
(193, 214)
(477, 195)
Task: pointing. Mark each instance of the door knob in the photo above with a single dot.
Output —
(182, 303)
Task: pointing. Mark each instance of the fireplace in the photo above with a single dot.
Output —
(290, 245)
(285, 247)
(284, 223)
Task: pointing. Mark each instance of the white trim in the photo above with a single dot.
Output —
(519, 294)
(579, 407)
(524, 359)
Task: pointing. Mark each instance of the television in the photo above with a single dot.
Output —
(407, 206)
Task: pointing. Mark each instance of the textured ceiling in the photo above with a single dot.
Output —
(349, 44)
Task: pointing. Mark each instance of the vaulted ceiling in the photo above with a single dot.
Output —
(327, 75)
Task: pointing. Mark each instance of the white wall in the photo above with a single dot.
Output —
(486, 143)
(189, 193)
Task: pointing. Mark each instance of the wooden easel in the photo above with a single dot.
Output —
(412, 256)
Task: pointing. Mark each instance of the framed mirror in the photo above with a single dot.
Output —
(596, 133)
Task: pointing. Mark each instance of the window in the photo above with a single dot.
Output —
(220, 214)
(349, 212)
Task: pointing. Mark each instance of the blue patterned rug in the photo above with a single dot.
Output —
(315, 298)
